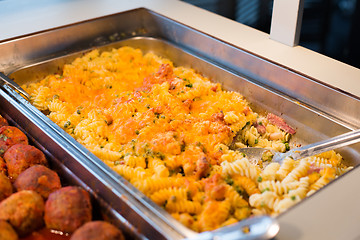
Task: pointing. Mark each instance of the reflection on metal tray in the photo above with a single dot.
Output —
(315, 109)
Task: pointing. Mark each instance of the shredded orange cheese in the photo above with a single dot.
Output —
(167, 129)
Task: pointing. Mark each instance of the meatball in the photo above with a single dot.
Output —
(6, 188)
(7, 232)
(39, 179)
(10, 136)
(3, 121)
(97, 230)
(20, 157)
(24, 210)
(3, 166)
(67, 209)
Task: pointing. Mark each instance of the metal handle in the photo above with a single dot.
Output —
(326, 145)
(263, 227)
(6, 80)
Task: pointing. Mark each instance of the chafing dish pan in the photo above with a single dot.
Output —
(71, 171)
(317, 110)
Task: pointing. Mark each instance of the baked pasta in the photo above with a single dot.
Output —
(168, 131)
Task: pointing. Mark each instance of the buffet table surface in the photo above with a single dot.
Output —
(22, 17)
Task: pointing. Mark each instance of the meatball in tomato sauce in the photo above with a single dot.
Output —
(40, 179)
(10, 136)
(68, 209)
(24, 210)
(20, 157)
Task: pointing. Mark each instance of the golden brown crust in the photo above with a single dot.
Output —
(24, 210)
(39, 179)
(67, 209)
(7, 231)
(10, 136)
(20, 157)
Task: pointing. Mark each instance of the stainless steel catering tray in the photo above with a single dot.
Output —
(317, 110)
(70, 170)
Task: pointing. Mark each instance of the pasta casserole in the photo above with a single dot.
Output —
(168, 130)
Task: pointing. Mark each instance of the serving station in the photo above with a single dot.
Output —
(317, 94)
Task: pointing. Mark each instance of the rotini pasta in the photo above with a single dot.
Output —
(168, 131)
(241, 167)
